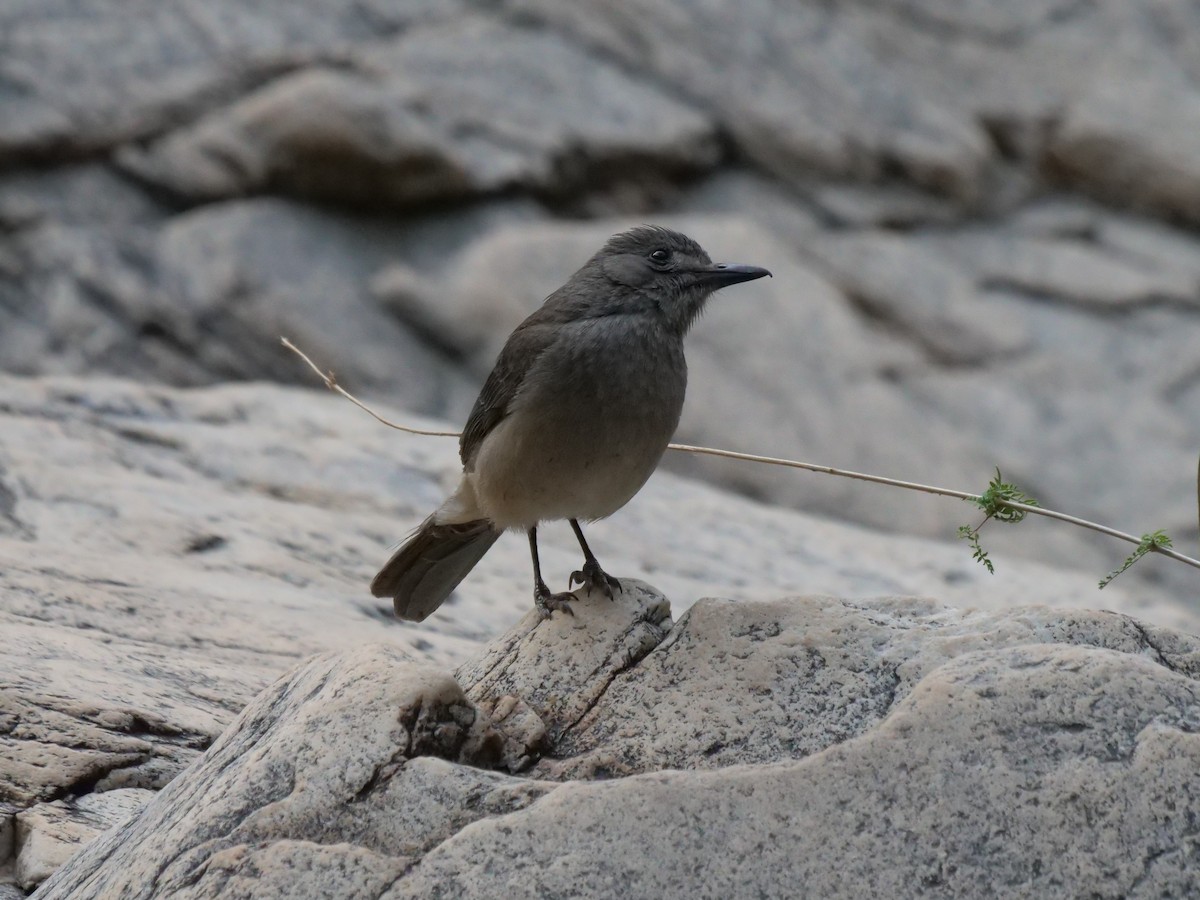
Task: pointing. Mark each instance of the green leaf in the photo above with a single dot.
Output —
(1151, 541)
(993, 502)
(971, 536)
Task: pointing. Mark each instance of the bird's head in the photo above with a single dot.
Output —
(669, 270)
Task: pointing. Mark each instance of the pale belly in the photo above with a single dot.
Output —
(526, 474)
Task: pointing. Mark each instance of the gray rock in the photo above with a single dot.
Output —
(1060, 769)
(1066, 270)
(300, 796)
(786, 213)
(803, 741)
(81, 78)
(241, 275)
(1117, 144)
(49, 834)
(207, 296)
(8, 834)
(801, 88)
(550, 687)
(916, 292)
(882, 206)
(218, 536)
(443, 112)
(738, 683)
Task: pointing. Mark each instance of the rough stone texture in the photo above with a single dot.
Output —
(217, 536)
(988, 213)
(490, 120)
(83, 76)
(49, 834)
(982, 221)
(297, 798)
(919, 295)
(8, 836)
(889, 745)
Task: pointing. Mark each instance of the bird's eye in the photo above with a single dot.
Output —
(660, 255)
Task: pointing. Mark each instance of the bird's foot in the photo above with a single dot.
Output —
(594, 578)
(547, 602)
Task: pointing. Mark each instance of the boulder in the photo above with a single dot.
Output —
(808, 741)
(168, 553)
(443, 112)
(81, 79)
(49, 834)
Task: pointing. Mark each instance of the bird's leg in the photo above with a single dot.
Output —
(591, 575)
(542, 598)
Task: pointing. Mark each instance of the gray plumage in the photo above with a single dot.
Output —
(573, 418)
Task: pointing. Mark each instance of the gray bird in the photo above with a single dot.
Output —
(572, 420)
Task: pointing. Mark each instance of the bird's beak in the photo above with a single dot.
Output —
(722, 275)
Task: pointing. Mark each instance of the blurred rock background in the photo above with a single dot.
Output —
(982, 220)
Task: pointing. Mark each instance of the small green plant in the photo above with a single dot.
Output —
(1152, 541)
(994, 503)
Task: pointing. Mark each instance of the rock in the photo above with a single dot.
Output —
(259, 811)
(248, 273)
(219, 536)
(1117, 145)
(49, 834)
(917, 293)
(802, 89)
(1062, 769)
(8, 834)
(443, 112)
(1069, 271)
(77, 84)
(204, 296)
(737, 683)
(805, 740)
(563, 671)
(787, 214)
(882, 206)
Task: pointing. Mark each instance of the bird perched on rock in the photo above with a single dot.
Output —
(573, 419)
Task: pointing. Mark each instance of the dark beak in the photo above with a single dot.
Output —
(722, 275)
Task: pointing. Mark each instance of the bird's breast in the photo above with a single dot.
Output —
(588, 426)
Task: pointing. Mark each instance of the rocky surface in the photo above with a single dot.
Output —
(166, 553)
(51, 833)
(984, 218)
(887, 745)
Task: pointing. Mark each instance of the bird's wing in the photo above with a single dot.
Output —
(520, 352)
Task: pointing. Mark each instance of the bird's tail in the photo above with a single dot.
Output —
(430, 564)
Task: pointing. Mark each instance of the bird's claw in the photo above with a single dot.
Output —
(547, 602)
(594, 578)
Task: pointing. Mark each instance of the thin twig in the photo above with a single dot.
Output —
(931, 489)
(332, 384)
